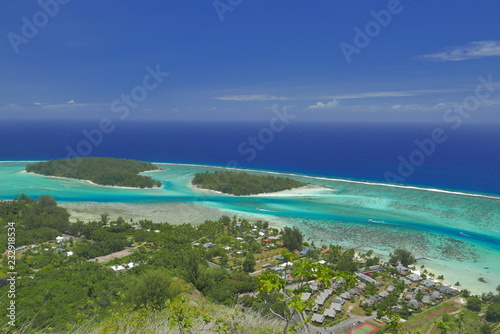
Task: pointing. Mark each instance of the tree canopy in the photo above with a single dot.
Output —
(240, 183)
(402, 256)
(292, 238)
(103, 171)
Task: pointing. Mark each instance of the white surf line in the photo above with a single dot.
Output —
(9, 161)
(339, 180)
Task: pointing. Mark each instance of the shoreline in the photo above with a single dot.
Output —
(283, 193)
(322, 178)
(90, 182)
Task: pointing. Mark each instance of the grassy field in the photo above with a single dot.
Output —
(425, 321)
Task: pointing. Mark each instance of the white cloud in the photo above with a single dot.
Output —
(253, 97)
(474, 50)
(320, 105)
(72, 105)
(10, 107)
(38, 103)
(402, 93)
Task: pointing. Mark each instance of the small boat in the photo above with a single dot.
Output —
(376, 221)
(486, 267)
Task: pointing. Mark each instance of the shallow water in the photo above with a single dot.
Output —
(460, 233)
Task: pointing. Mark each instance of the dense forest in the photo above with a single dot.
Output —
(240, 183)
(57, 291)
(103, 171)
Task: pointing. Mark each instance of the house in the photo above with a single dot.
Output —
(330, 313)
(266, 240)
(131, 265)
(435, 295)
(426, 299)
(118, 268)
(208, 245)
(314, 286)
(336, 307)
(390, 288)
(397, 308)
(306, 250)
(60, 250)
(320, 300)
(402, 270)
(409, 295)
(305, 296)
(447, 290)
(376, 267)
(286, 264)
(367, 303)
(339, 300)
(405, 281)
(319, 318)
(326, 293)
(62, 238)
(413, 303)
(428, 283)
(367, 279)
(324, 251)
(346, 295)
(70, 253)
(375, 298)
(414, 277)
(383, 293)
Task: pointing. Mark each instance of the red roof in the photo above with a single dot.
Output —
(324, 251)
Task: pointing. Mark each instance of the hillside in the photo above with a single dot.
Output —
(102, 171)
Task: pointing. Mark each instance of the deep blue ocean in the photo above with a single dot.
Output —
(468, 159)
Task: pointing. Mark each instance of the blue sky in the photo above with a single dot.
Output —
(237, 61)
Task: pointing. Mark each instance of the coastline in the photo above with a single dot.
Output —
(90, 182)
(322, 178)
(303, 191)
(185, 206)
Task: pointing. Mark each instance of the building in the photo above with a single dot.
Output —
(330, 313)
(306, 250)
(336, 307)
(318, 318)
(428, 283)
(62, 238)
(414, 277)
(305, 296)
(367, 279)
(413, 303)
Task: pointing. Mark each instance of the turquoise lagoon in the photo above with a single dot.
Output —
(455, 234)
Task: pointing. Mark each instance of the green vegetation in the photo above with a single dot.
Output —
(402, 256)
(292, 238)
(103, 171)
(240, 183)
(193, 279)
